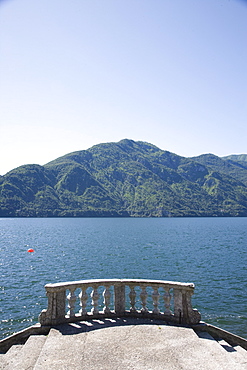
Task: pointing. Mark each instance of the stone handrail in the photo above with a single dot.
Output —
(89, 299)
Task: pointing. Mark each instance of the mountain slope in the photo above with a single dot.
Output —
(236, 169)
(127, 178)
(237, 157)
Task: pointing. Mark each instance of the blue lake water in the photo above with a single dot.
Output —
(210, 252)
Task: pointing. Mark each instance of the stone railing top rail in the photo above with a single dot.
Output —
(103, 282)
(96, 298)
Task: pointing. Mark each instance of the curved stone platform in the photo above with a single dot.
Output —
(124, 343)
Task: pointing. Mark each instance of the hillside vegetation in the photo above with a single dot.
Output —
(127, 179)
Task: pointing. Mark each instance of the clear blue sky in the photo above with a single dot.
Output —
(81, 72)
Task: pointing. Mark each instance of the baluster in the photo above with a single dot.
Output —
(95, 299)
(83, 301)
(107, 299)
(132, 296)
(71, 302)
(167, 301)
(143, 296)
(155, 296)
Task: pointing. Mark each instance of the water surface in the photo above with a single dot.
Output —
(210, 252)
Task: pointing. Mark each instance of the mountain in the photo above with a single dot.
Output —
(237, 157)
(126, 179)
(234, 168)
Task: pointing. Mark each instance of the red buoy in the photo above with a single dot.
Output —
(30, 250)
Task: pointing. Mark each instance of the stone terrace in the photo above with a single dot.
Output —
(122, 324)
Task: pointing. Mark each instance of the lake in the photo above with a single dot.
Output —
(210, 252)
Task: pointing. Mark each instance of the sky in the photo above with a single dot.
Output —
(77, 73)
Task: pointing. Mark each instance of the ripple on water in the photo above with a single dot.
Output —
(210, 252)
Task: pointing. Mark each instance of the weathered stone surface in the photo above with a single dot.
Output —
(161, 296)
(131, 344)
(123, 343)
(27, 356)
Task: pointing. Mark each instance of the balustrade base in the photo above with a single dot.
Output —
(102, 315)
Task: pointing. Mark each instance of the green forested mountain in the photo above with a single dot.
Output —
(127, 178)
(237, 157)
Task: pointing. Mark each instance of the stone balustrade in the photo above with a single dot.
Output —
(89, 299)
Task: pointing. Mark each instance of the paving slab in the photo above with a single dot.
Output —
(129, 343)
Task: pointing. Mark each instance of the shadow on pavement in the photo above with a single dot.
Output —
(95, 324)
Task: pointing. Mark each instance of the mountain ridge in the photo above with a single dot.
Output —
(126, 179)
